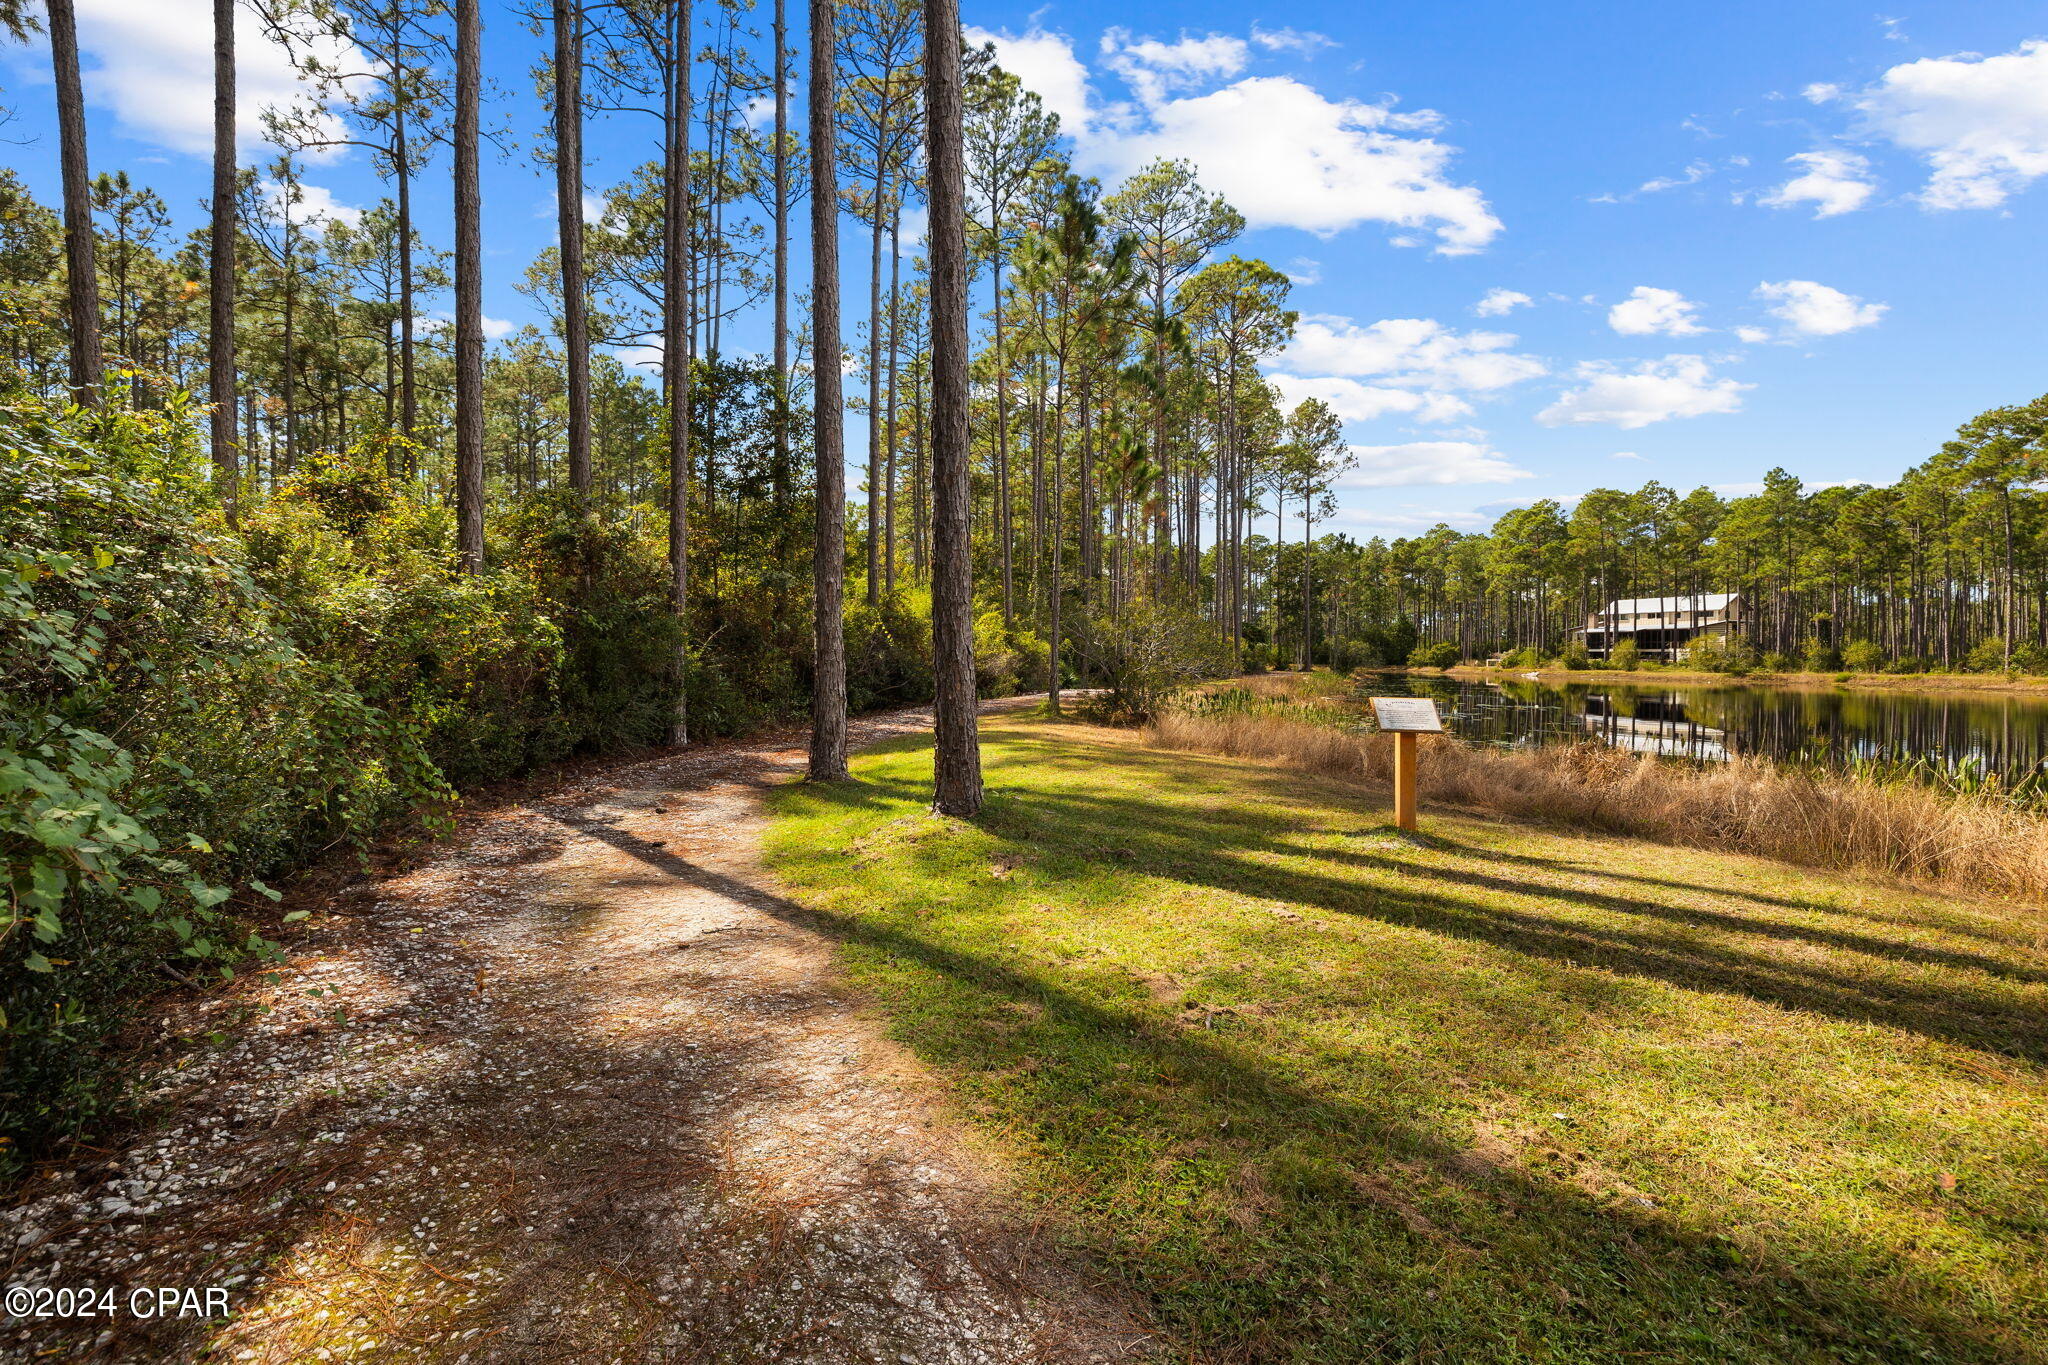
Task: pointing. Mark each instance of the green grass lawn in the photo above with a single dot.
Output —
(1503, 1093)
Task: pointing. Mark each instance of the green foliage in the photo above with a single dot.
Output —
(1816, 657)
(889, 651)
(1988, 656)
(1007, 662)
(1392, 642)
(607, 592)
(163, 740)
(1627, 656)
(1575, 657)
(1863, 656)
(1718, 653)
(1433, 656)
(2030, 658)
(1144, 654)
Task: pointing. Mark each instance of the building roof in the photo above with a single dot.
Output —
(1670, 606)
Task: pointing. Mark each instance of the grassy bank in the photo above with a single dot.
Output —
(1746, 805)
(2020, 685)
(1503, 1093)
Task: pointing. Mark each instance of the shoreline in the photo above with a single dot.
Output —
(1994, 683)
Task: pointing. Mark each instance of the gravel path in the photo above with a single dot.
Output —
(579, 1085)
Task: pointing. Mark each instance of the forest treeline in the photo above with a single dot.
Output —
(1945, 569)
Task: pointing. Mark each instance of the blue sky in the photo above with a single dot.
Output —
(1715, 239)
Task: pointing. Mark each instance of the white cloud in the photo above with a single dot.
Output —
(1305, 271)
(1753, 335)
(910, 236)
(1408, 516)
(1295, 40)
(1429, 462)
(646, 358)
(1651, 391)
(497, 329)
(1649, 311)
(1353, 401)
(1694, 173)
(1279, 150)
(1046, 64)
(1152, 68)
(1832, 180)
(1501, 301)
(1626, 455)
(317, 204)
(152, 66)
(1407, 353)
(1815, 310)
(1980, 123)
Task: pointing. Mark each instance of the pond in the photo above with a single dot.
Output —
(1996, 734)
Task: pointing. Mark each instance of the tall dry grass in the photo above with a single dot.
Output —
(1744, 805)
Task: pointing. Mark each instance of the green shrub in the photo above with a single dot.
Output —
(1863, 656)
(1007, 662)
(1575, 658)
(2030, 658)
(1433, 656)
(1987, 657)
(1719, 653)
(1143, 653)
(1627, 656)
(163, 741)
(1775, 662)
(1816, 657)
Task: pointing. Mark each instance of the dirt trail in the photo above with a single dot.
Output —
(591, 1095)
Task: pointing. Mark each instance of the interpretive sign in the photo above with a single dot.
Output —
(1407, 713)
(1406, 717)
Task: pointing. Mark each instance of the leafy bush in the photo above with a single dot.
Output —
(1433, 656)
(163, 740)
(1816, 657)
(1575, 658)
(1721, 653)
(1987, 657)
(1143, 653)
(1392, 642)
(1627, 655)
(1774, 662)
(1863, 656)
(2030, 658)
(1007, 662)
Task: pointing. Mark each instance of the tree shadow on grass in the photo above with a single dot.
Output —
(1628, 935)
(1275, 1222)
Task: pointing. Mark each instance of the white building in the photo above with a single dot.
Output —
(1661, 627)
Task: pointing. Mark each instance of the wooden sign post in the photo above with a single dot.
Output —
(1406, 717)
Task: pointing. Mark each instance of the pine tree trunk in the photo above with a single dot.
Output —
(780, 475)
(220, 329)
(82, 284)
(676, 371)
(874, 584)
(828, 667)
(889, 428)
(957, 770)
(469, 290)
(569, 215)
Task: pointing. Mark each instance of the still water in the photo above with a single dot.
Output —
(2000, 734)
